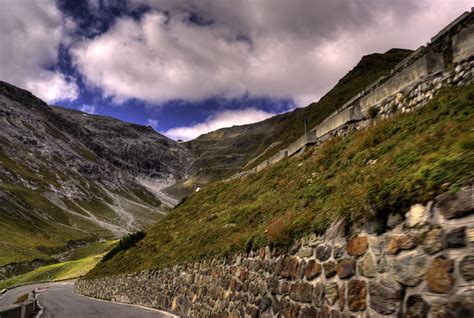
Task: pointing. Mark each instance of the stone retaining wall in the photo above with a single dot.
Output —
(423, 265)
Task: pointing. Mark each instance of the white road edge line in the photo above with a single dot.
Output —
(131, 305)
(38, 315)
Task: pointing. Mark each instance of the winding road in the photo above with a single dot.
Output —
(58, 300)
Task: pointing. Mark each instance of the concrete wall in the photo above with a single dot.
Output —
(308, 139)
(422, 266)
(262, 166)
(396, 92)
(23, 310)
(463, 44)
(278, 157)
(427, 64)
(338, 120)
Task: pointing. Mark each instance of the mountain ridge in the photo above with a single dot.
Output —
(63, 179)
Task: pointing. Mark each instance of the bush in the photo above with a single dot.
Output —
(373, 112)
(125, 243)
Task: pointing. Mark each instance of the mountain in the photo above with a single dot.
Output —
(67, 176)
(372, 173)
(223, 152)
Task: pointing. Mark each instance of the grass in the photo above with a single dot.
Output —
(82, 261)
(97, 248)
(383, 169)
(224, 152)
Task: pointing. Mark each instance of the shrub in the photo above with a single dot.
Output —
(373, 112)
(125, 243)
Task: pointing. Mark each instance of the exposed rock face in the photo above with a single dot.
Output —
(76, 174)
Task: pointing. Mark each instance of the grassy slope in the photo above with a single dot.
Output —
(417, 156)
(25, 235)
(224, 152)
(81, 261)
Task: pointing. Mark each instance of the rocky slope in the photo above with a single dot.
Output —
(226, 151)
(68, 176)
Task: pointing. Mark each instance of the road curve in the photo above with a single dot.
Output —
(58, 301)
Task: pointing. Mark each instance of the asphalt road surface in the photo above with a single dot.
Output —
(58, 301)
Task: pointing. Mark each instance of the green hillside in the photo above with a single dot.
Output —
(226, 151)
(385, 168)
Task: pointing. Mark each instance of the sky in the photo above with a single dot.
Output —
(187, 67)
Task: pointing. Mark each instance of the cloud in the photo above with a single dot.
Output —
(90, 109)
(189, 49)
(153, 123)
(226, 118)
(31, 32)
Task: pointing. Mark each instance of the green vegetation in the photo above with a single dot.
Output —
(81, 261)
(93, 249)
(368, 70)
(226, 151)
(125, 243)
(367, 175)
(23, 239)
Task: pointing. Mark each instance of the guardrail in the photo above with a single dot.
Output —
(25, 309)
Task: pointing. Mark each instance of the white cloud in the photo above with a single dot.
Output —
(90, 109)
(153, 123)
(31, 32)
(226, 118)
(276, 48)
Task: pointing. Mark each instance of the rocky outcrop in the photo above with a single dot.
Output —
(326, 275)
(74, 175)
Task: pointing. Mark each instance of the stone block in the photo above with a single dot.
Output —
(438, 275)
(357, 295)
(401, 242)
(466, 268)
(367, 266)
(417, 307)
(418, 215)
(433, 241)
(456, 205)
(409, 270)
(323, 252)
(305, 251)
(331, 293)
(307, 312)
(456, 238)
(301, 291)
(385, 296)
(357, 246)
(346, 268)
(329, 269)
(318, 294)
(312, 269)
